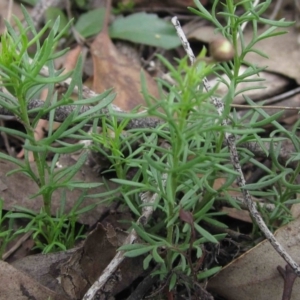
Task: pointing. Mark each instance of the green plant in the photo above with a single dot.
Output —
(180, 160)
(121, 7)
(22, 77)
(278, 185)
(113, 140)
(7, 233)
(53, 234)
(190, 158)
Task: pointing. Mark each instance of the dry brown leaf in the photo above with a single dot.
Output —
(71, 59)
(44, 268)
(114, 70)
(203, 34)
(88, 262)
(295, 209)
(283, 52)
(238, 214)
(254, 275)
(6, 12)
(18, 286)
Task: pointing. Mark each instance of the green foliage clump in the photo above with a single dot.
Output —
(24, 77)
(170, 169)
(179, 161)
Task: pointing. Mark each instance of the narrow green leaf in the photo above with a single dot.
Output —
(144, 235)
(16, 161)
(128, 182)
(203, 210)
(208, 273)
(146, 261)
(267, 121)
(215, 222)
(75, 168)
(83, 185)
(99, 98)
(205, 234)
(156, 256)
(279, 23)
(66, 150)
(138, 252)
(173, 281)
(96, 109)
(14, 132)
(129, 247)
(131, 205)
(266, 183)
(259, 52)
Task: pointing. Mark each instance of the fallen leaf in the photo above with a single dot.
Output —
(114, 70)
(87, 263)
(18, 286)
(238, 214)
(45, 268)
(7, 11)
(283, 53)
(295, 209)
(254, 275)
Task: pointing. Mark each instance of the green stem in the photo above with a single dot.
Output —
(234, 35)
(170, 229)
(40, 179)
(292, 180)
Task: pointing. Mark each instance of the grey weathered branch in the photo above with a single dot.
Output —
(62, 112)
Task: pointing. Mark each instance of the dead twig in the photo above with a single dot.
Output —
(243, 106)
(16, 245)
(289, 278)
(62, 112)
